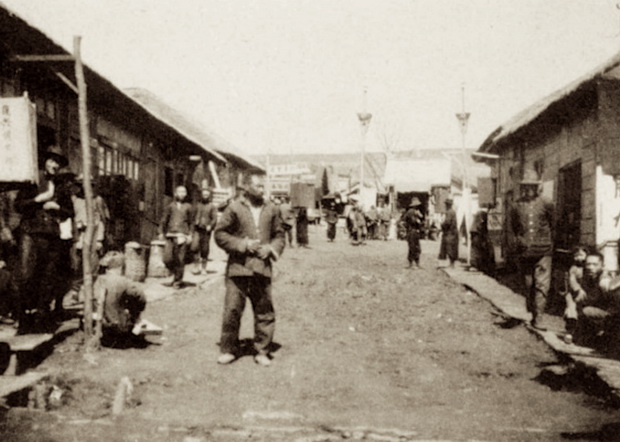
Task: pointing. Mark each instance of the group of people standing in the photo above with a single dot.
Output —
(372, 224)
(187, 227)
(414, 222)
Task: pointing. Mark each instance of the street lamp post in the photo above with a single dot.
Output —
(364, 119)
(463, 118)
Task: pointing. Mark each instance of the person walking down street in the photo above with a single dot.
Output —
(482, 250)
(251, 232)
(177, 227)
(43, 207)
(414, 221)
(354, 234)
(302, 227)
(206, 218)
(532, 224)
(288, 220)
(449, 248)
(331, 218)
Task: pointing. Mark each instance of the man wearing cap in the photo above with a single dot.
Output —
(413, 220)
(531, 223)
(449, 235)
(43, 207)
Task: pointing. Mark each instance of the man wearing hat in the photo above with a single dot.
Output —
(43, 207)
(531, 223)
(449, 248)
(414, 221)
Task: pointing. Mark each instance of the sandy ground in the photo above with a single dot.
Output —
(366, 349)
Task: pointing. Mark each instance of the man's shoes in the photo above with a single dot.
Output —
(177, 285)
(538, 325)
(262, 359)
(226, 358)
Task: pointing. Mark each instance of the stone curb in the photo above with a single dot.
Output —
(512, 305)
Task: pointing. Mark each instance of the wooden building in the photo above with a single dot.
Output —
(138, 158)
(572, 138)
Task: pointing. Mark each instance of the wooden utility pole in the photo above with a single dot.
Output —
(87, 250)
(463, 118)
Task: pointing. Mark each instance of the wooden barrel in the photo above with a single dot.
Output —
(135, 263)
(157, 268)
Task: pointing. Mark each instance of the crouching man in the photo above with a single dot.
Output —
(596, 299)
(120, 302)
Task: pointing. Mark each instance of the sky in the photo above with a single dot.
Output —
(288, 76)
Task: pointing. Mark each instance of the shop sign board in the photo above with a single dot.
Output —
(18, 141)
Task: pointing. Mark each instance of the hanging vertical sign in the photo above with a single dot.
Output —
(18, 141)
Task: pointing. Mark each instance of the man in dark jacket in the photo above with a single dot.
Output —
(206, 218)
(250, 231)
(40, 275)
(414, 221)
(531, 221)
(331, 218)
(121, 301)
(449, 235)
(177, 226)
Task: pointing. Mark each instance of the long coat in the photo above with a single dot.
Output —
(450, 237)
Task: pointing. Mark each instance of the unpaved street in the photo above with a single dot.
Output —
(367, 349)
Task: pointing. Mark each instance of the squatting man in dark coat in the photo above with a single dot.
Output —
(251, 232)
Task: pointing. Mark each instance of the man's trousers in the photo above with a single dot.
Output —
(536, 274)
(258, 289)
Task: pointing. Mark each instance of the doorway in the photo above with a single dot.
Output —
(569, 208)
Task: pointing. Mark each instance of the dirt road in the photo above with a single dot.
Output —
(366, 350)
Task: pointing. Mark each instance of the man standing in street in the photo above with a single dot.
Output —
(531, 221)
(206, 218)
(414, 220)
(331, 218)
(251, 232)
(449, 235)
(177, 226)
(43, 207)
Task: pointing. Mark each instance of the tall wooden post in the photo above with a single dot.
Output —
(87, 249)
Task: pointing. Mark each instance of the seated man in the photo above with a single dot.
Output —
(596, 299)
(120, 302)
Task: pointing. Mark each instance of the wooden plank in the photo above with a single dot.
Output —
(43, 58)
(13, 384)
(28, 342)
